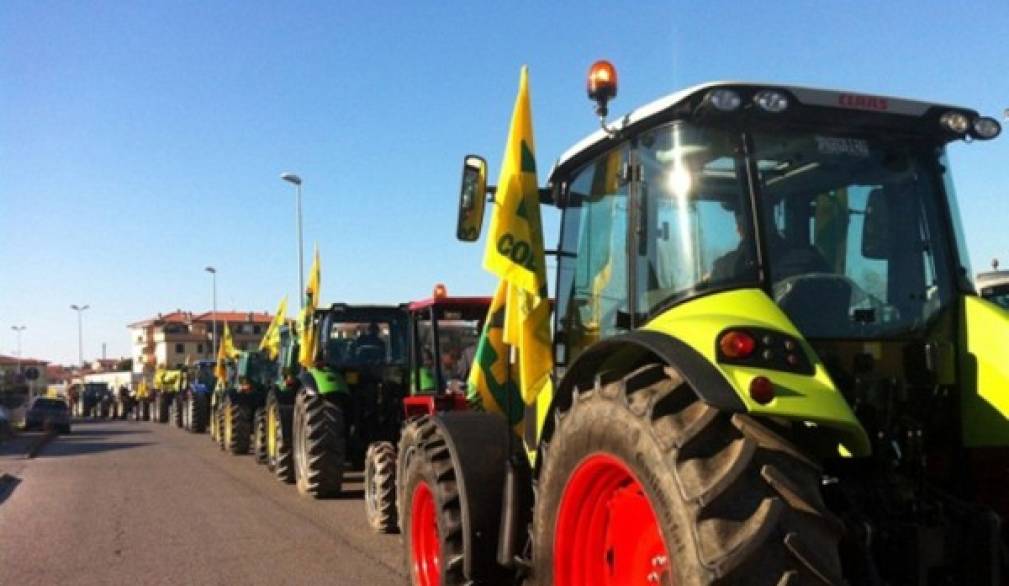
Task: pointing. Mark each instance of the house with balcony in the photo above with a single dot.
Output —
(172, 339)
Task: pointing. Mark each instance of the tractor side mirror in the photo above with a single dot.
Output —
(472, 198)
(876, 227)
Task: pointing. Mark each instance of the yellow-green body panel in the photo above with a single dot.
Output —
(813, 399)
(984, 364)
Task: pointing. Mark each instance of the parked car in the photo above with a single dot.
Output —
(45, 412)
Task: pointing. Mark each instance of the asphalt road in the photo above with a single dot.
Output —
(143, 503)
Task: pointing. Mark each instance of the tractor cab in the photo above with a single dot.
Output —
(201, 376)
(287, 359)
(785, 265)
(254, 372)
(362, 342)
(363, 353)
(444, 332)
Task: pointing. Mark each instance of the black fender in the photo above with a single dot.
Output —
(478, 443)
(615, 357)
(307, 382)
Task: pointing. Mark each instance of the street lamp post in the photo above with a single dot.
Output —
(292, 178)
(80, 331)
(213, 315)
(19, 329)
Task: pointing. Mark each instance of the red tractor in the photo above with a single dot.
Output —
(444, 332)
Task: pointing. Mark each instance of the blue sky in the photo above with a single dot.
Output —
(142, 141)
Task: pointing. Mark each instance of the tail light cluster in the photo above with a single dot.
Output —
(762, 348)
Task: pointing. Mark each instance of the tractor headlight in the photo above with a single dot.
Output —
(771, 101)
(724, 100)
(986, 128)
(955, 121)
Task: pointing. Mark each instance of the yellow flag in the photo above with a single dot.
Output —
(226, 351)
(306, 352)
(493, 382)
(271, 339)
(515, 252)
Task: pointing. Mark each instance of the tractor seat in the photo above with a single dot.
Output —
(817, 303)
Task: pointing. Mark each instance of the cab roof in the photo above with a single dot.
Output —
(667, 107)
(992, 279)
(450, 302)
(359, 308)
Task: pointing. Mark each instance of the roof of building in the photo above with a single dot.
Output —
(14, 360)
(185, 317)
(235, 317)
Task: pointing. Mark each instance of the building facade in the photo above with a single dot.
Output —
(172, 339)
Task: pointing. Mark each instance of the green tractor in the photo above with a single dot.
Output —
(277, 415)
(238, 399)
(770, 363)
(351, 397)
(444, 332)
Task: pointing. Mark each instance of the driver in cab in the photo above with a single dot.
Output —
(369, 345)
(786, 259)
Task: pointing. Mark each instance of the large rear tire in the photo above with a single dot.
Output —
(214, 427)
(432, 526)
(259, 436)
(176, 411)
(279, 452)
(404, 451)
(187, 421)
(452, 494)
(380, 487)
(237, 427)
(219, 416)
(320, 447)
(196, 408)
(162, 408)
(643, 483)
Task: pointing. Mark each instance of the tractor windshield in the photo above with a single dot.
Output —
(205, 374)
(364, 340)
(445, 348)
(853, 230)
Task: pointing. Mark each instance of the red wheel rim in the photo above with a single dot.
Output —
(425, 544)
(606, 531)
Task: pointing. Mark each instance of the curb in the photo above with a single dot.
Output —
(38, 444)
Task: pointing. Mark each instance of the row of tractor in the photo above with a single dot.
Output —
(375, 371)
(99, 400)
(764, 361)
